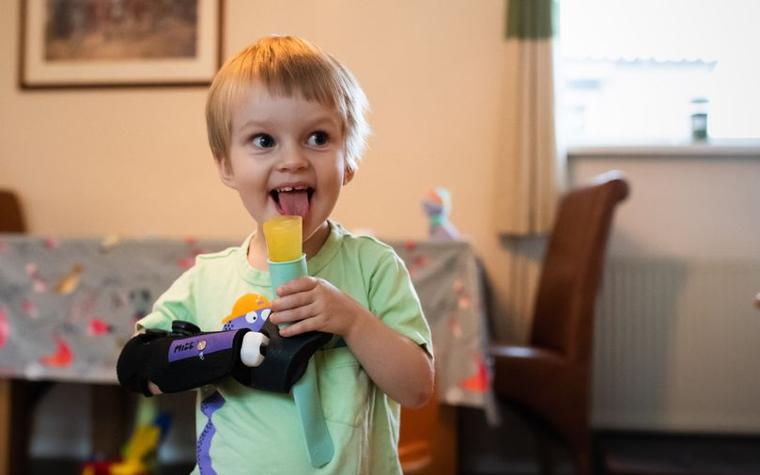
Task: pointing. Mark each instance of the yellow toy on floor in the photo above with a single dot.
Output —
(139, 453)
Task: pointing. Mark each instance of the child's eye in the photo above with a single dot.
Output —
(318, 139)
(263, 141)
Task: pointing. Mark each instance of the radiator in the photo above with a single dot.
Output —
(677, 346)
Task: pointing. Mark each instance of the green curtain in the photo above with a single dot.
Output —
(531, 18)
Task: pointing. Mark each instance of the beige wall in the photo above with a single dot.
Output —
(136, 162)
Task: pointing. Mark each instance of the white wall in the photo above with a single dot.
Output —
(684, 206)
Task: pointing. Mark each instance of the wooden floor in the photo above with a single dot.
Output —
(509, 449)
(659, 454)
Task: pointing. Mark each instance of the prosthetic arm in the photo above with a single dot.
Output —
(186, 358)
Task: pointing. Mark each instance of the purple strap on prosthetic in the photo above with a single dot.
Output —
(203, 448)
(200, 345)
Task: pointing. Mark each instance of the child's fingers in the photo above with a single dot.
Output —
(301, 284)
(291, 301)
(292, 315)
(303, 326)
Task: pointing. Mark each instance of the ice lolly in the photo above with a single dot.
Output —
(284, 238)
(286, 259)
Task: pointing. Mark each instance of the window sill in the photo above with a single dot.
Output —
(716, 148)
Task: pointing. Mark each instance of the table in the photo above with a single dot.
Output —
(67, 306)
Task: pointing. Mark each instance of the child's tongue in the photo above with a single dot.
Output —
(294, 203)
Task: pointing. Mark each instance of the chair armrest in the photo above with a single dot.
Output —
(537, 377)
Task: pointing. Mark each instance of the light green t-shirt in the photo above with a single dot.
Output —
(252, 431)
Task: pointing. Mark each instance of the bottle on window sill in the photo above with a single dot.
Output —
(699, 119)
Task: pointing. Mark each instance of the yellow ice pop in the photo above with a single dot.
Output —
(284, 238)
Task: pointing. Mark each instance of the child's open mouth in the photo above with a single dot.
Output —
(292, 200)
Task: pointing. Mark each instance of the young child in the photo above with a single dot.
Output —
(286, 125)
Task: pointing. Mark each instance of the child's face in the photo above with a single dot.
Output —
(286, 156)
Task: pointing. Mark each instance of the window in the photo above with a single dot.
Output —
(633, 71)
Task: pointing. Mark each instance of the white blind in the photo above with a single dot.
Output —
(665, 30)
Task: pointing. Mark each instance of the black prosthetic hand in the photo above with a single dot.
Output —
(285, 360)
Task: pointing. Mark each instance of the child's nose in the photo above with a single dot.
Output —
(292, 159)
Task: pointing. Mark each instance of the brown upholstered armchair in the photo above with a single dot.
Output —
(551, 376)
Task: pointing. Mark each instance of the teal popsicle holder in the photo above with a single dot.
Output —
(282, 272)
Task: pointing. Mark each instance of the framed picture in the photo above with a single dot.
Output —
(118, 43)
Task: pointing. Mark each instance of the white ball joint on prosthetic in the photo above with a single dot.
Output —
(251, 352)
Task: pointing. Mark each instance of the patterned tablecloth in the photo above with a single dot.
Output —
(68, 305)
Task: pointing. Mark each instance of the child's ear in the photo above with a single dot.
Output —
(348, 175)
(225, 171)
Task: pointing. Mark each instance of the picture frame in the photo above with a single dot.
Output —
(110, 43)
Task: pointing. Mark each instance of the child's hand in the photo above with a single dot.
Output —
(398, 365)
(313, 304)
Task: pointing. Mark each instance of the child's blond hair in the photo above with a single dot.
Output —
(288, 65)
